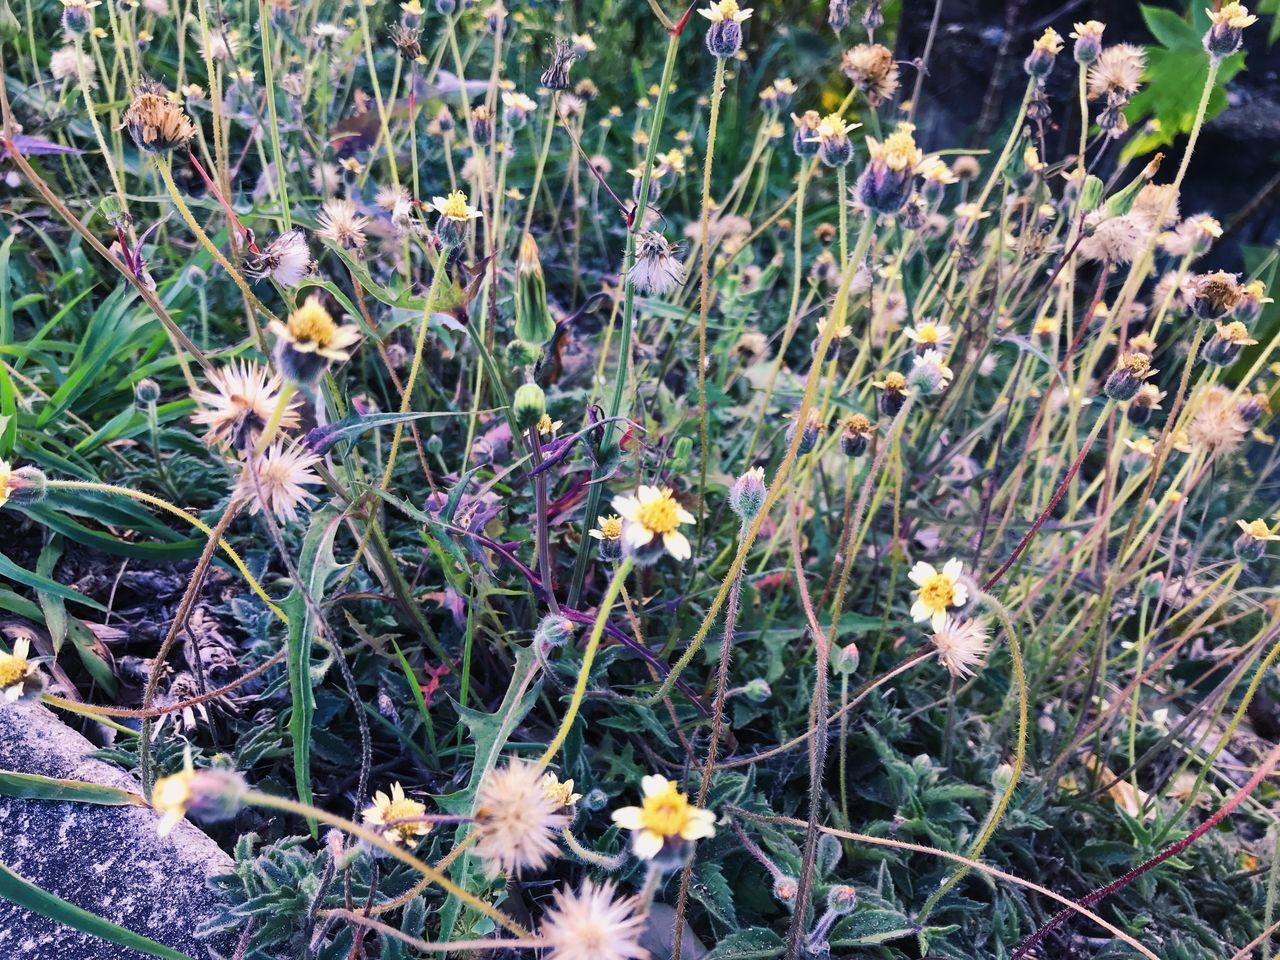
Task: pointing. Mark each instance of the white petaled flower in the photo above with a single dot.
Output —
(516, 820)
(929, 373)
(594, 924)
(455, 207)
(938, 591)
(656, 269)
(654, 512)
(664, 816)
(725, 10)
(15, 667)
(278, 481)
(394, 807)
(962, 645)
(928, 334)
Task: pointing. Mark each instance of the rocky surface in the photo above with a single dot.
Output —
(105, 859)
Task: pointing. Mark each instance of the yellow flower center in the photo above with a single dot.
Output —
(727, 9)
(660, 515)
(893, 380)
(13, 669)
(666, 813)
(1233, 332)
(1254, 528)
(928, 333)
(938, 592)
(401, 808)
(172, 793)
(311, 323)
(611, 528)
(455, 206)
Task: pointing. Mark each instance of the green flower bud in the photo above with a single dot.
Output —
(528, 405)
(534, 324)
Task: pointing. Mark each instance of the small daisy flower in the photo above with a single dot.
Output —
(388, 808)
(309, 339)
(516, 821)
(282, 475)
(1258, 529)
(938, 591)
(171, 795)
(561, 793)
(593, 924)
(654, 512)
(725, 10)
(16, 668)
(961, 644)
(665, 817)
(928, 335)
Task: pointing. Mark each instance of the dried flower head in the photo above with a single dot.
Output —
(286, 260)
(656, 270)
(1216, 426)
(236, 411)
(156, 123)
(277, 480)
(342, 225)
(961, 644)
(556, 76)
(1211, 295)
(1117, 73)
(594, 924)
(873, 70)
(516, 821)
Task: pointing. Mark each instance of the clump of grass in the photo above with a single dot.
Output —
(961, 448)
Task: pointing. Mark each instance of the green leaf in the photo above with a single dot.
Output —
(316, 564)
(1170, 29)
(26, 894)
(867, 928)
(754, 943)
(36, 582)
(32, 786)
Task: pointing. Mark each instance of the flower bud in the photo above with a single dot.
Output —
(534, 323)
(217, 794)
(528, 405)
(1225, 30)
(25, 486)
(1223, 348)
(1044, 53)
(757, 690)
(146, 392)
(77, 17)
(747, 494)
(808, 433)
(785, 889)
(595, 800)
(1124, 381)
(1253, 407)
(446, 7)
(805, 142)
(1091, 193)
(846, 659)
(855, 434)
(838, 15)
(872, 17)
(521, 354)
(724, 39)
(553, 631)
(1088, 38)
(841, 899)
(681, 453)
(1253, 540)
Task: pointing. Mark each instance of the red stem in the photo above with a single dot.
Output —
(1170, 851)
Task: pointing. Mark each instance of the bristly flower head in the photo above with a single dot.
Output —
(455, 215)
(1253, 539)
(873, 70)
(1044, 53)
(516, 821)
(938, 591)
(286, 260)
(929, 373)
(961, 644)
(277, 480)
(556, 76)
(665, 821)
(887, 180)
(654, 512)
(656, 270)
(236, 411)
(747, 495)
(156, 123)
(834, 146)
(609, 532)
(1212, 295)
(342, 225)
(388, 808)
(593, 924)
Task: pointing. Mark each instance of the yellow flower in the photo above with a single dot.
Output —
(665, 815)
(455, 207)
(654, 512)
(1050, 42)
(609, 528)
(561, 793)
(938, 591)
(1235, 332)
(1234, 15)
(723, 10)
(310, 329)
(899, 151)
(413, 8)
(1258, 529)
(1143, 446)
(6, 482)
(893, 381)
(171, 795)
(15, 667)
(388, 809)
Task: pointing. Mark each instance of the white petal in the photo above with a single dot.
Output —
(921, 611)
(952, 569)
(646, 844)
(684, 516)
(625, 507)
(637, 535)
(939, 620)
(654, 784)
(960, 595)
(921, 572)
(629, 818)
(677, 545)
(648, 494)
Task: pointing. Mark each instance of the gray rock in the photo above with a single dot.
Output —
(108, 860)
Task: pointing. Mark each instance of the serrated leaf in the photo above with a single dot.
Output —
(754, 943)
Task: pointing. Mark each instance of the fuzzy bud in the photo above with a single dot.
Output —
(521, 354)
(1126, 379)
(846, 660)
(724, 39)
(1044, 53)
(841, 899)
(757, 690)
(805, 141)
(838, 15)
(872, 17)
(553, 632)
(681, 454)
(25, 486)
(528, 405)
(747, 494)
(1088, 37)
(534, 323)
(77, 18)
(808, 433)
(785, 889)
(216, 794)
(1249, 549)
(146, 392)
